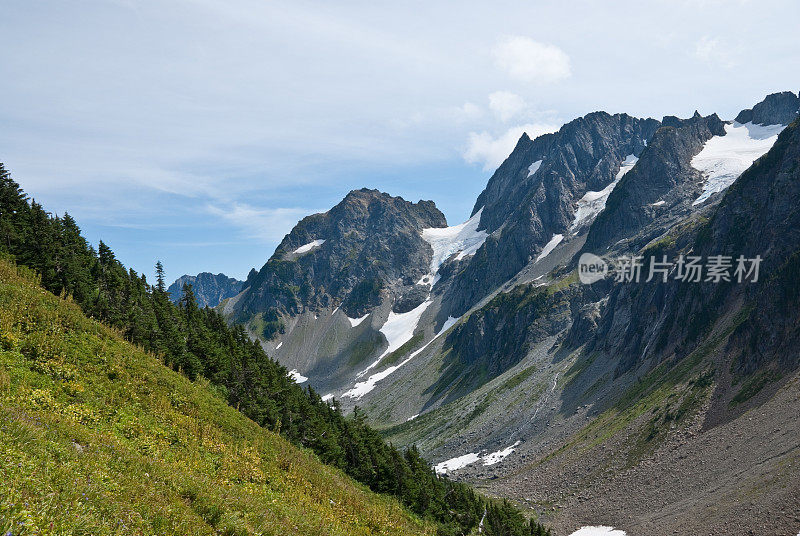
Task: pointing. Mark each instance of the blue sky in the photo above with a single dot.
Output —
(199, 131)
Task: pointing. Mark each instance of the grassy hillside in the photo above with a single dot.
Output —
(99, 437)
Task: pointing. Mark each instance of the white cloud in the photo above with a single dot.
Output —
(711, 50)
(265, 225)
(484, 148)
(506, 104)
(442, 116)
(531, 61)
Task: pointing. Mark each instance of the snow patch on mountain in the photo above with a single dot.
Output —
(533, 168)
(724, 158)
(598, 531)
(462, 461)
(593, 203)
(398, 330)
(550, 246)
(464, 239)
(498, 456)
(456, 463)
(305, 248)
(356, 321)
(362, 388)
(448, 324)
(297, 377)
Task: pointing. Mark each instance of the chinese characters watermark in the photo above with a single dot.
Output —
(685, 268)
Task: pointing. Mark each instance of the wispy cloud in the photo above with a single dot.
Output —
(267, 226)
(714, 51)
(489, 150)
(506, 104)
(531, 61)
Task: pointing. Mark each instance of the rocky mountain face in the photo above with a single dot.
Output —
(366, 246)
(531, 197)
(663, 174)
(776, 109)
(757, 217)
(479, 344)
(209, 289)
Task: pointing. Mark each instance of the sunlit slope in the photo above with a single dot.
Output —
(98, 437)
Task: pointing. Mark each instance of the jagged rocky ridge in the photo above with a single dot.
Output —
(511, 356)
(209, 289)
(349, 255)
(531, 197)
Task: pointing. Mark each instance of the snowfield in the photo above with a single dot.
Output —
(500, 455)
(533, 168)
(362, 388)
(462, 461)
(398, 330)
(456, 463)
(724, 158)
(297, 377)
(308, 247)
(464, 239)
(550, 246)
(448, 324)
(598, 531)
(356, 321)
(593, 203)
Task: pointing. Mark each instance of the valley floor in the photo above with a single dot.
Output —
(739, 477)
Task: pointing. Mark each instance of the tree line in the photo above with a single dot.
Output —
(198, 342)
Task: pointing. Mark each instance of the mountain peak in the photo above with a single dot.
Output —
(776, 109)
(209, 289)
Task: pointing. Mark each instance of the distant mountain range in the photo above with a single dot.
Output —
(209, 289)
(478, 343)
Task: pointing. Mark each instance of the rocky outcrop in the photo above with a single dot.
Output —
(351, 256)
(664, 168)
(209, 289)
(776, 109)
(532, 195)
(759, 216)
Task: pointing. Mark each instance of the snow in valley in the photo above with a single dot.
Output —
(308, 247)
(598, 531)
(593, 203)
(362, 388)
(464, 460)
(500, 455)
(297, 377)
(724, 158)
(457, 463)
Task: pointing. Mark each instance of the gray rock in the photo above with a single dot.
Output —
(209, 289)
(776, 109)
(372, 246)
(523, 212)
